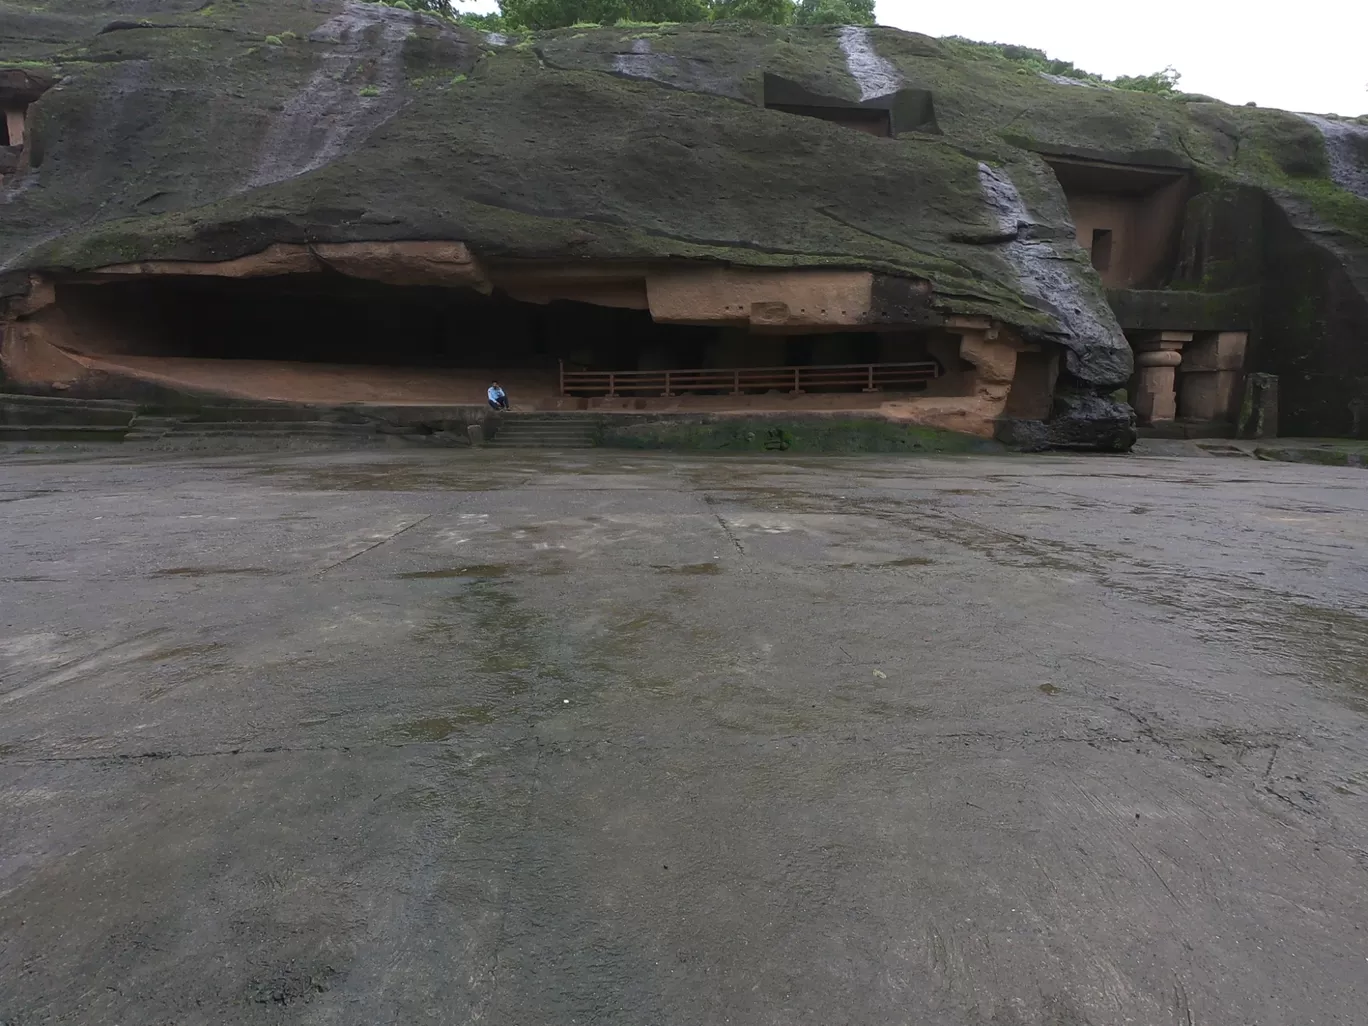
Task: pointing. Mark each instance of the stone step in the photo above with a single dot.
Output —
(537, 425)
(553, 433)
(284, 413)
(150, 427)
(270, 427)
(62, 432)
(525, 443)
(543, 439)
(548, 437)
(57, 401)
(1225, 450)
(548, 418)
(587, 431)
(20, 410)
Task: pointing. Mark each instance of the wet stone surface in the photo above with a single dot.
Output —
(520, 738)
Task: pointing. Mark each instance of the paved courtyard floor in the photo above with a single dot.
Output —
(517, 738)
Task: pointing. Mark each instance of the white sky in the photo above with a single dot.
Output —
(1311, 55)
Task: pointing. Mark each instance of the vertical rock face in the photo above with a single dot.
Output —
(1346, 146)
(1097, 350)
(181, 133)
(332, 114)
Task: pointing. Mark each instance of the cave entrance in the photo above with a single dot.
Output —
(327, 338)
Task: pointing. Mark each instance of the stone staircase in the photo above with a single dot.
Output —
(37, 418)
(249, 422)
(150, 428)
(545, 431)
(27, 418)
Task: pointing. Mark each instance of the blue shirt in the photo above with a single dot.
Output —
(495, 393)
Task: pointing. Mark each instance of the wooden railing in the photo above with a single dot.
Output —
(864, 377)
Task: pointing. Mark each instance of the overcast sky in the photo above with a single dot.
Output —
(1310, 56)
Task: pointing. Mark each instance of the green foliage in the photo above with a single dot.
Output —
(1028, 58)
(274, 41)
(553, 14)
(834, 12)
(492, 22)
(370, 90)
(1025, 57)
(771, 12)
(1162, 83)
(537, 15)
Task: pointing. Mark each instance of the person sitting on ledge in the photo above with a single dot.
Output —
(497, 399)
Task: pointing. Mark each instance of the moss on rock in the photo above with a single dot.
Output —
(620, 143)
(790, 435)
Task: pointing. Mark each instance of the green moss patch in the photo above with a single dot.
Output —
(791, 435)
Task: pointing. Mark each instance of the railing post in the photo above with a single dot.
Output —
(796, 388)
(871, 387)
(736, 382)
(612, 385)
(667, 384)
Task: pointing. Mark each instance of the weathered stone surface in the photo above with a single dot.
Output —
(1081, 419)
(176, 132)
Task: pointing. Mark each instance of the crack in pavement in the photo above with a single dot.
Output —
(723, 524)
(377, 544)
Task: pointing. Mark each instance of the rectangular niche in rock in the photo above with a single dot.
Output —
(1128, 217)
(18, 88)
(904, 110)
(1101, 248)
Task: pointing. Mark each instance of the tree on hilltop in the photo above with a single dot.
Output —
(552, 14)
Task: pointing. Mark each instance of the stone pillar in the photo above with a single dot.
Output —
(1259, 411)
(1210, 375)
(1157, 356)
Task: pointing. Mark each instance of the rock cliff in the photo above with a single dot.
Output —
(184, 130)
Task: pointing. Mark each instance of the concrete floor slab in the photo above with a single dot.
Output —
(456, 737)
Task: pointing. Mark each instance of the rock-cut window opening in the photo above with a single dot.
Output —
(1102, 249)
